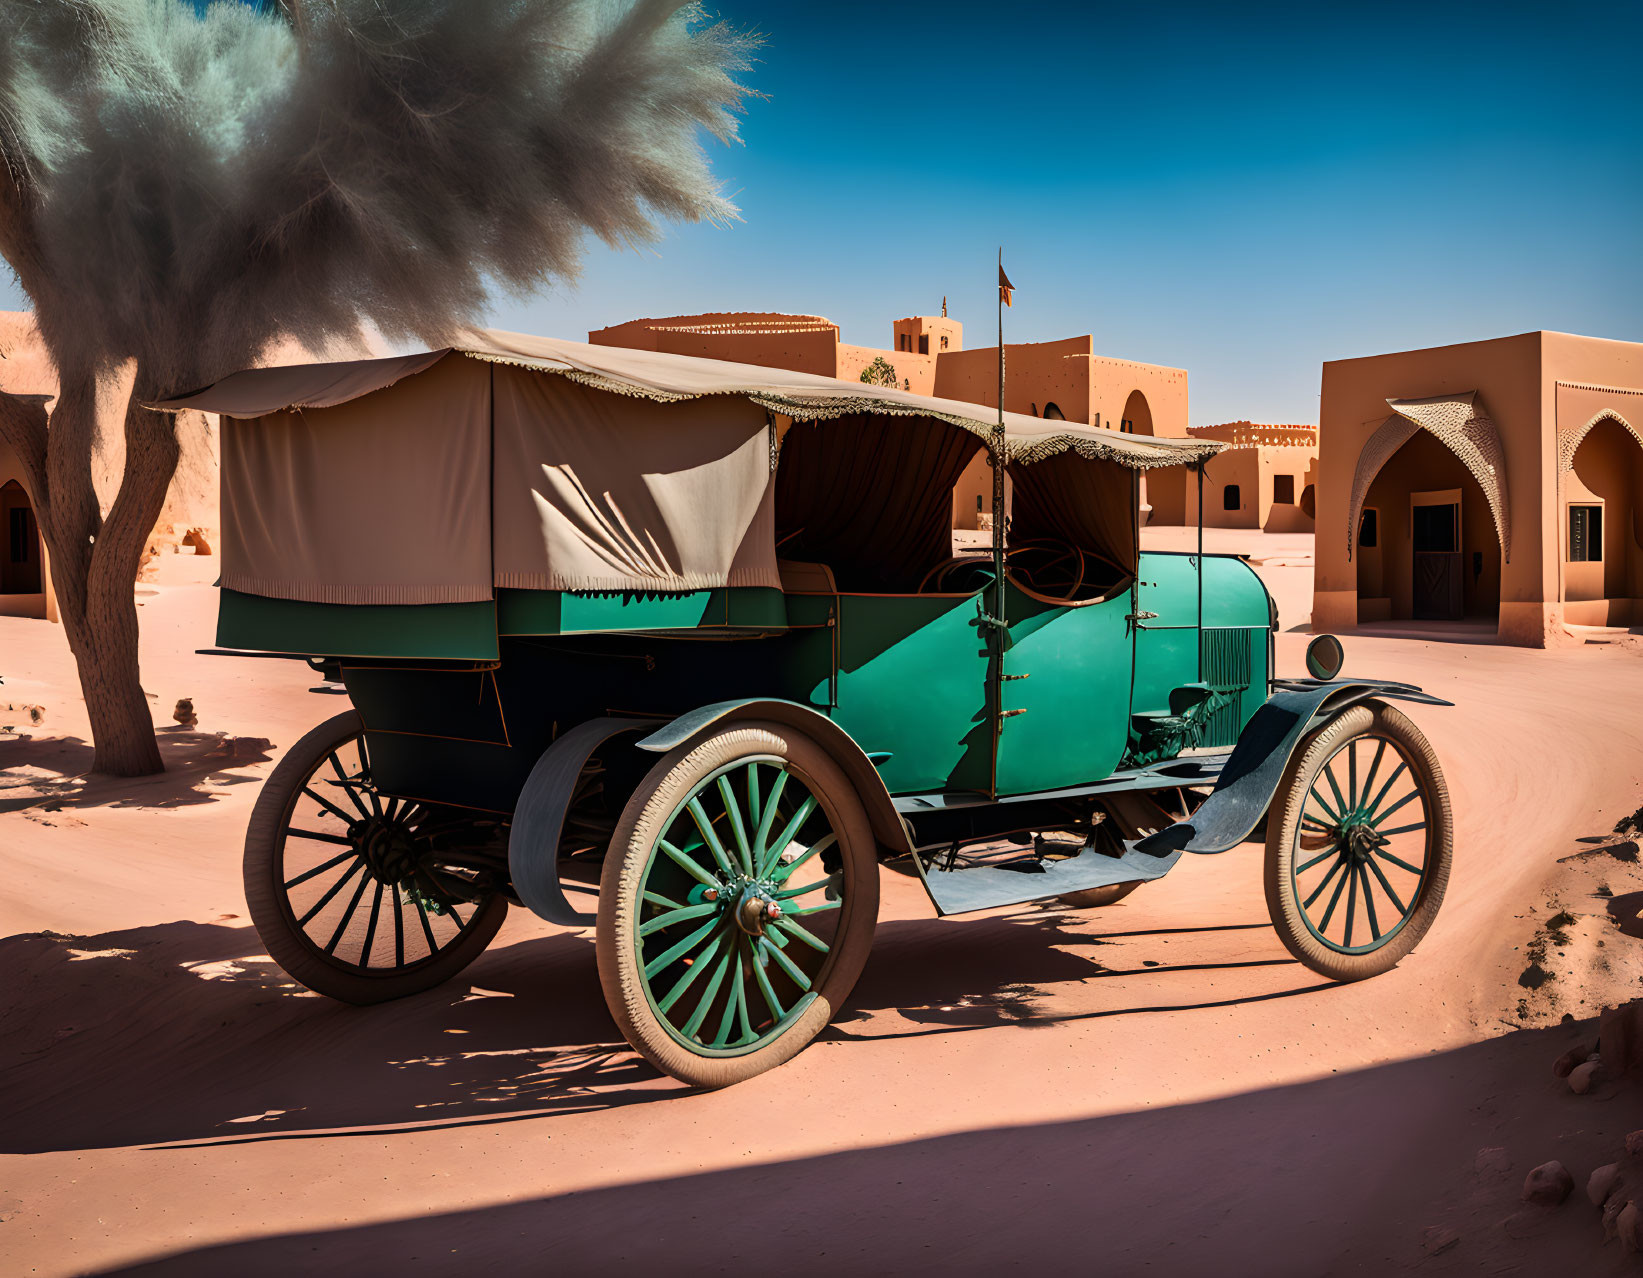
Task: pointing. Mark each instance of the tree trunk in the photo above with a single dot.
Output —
(94, 561)
(105, 649)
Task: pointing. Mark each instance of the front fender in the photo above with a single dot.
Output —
(1251, 777)
(864, 777)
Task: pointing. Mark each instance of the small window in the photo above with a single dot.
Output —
(924, 344)
(907, 383)
(1369, 530)
(944, 342)
(1283, 490)
(1585, 534)
(1231, 498)
(20, 532)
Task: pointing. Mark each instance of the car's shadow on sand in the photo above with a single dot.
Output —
(185, 1032)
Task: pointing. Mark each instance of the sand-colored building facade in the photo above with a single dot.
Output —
(188, 520)
(1497, 482)
(1064, 379)
(1266, 478)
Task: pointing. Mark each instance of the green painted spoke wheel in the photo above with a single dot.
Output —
(738, 903)
(1359, 843)
(337, 883)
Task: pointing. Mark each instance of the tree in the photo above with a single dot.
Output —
(881, 372)
(181, 185)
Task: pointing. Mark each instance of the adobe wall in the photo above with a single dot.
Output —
(1114, 381)
(1037, 374)
(916, 373)
(1300, 464)
(801, 343)
(1235, 467)
(1506, 374)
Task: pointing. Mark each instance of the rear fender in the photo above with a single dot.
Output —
(539, 817)
(864, 777)
(1247, 784)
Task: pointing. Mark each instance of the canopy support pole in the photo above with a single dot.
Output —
(997, 621)
(998, 474)
(1199, 467)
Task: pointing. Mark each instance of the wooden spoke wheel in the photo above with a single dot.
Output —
(357, 895)
(1358, 844)
(737, 904)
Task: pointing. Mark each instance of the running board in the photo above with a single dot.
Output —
(1021, 880)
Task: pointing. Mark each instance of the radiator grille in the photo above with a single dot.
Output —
(1226, 656)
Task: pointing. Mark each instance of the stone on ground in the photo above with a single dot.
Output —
(1549, 1184)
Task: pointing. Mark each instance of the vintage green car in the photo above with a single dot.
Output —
(692, 638)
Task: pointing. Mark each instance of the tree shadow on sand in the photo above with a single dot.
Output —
(222, 1047)
(54, 773)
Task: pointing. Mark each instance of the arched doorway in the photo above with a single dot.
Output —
(1163, 490)
(1602, 527)
(1137, 419)
(22, 565)
(1052, 411)
(1426, 545)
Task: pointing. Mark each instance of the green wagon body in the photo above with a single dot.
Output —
(458, 707)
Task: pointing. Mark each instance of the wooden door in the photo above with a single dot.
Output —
(1439, 588)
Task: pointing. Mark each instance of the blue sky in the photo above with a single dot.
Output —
(1240, 190)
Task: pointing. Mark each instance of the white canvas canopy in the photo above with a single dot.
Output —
(527, 462)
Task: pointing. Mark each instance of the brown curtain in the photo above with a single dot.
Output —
(385, 499)
(871, 496)
(1071, 498)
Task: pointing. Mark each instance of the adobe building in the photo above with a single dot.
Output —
(188, 518)
(1266, 478)
(1061, 379)
(1495, 483)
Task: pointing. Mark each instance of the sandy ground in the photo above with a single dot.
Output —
(1151, 1088)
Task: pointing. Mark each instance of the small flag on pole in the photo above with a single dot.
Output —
(1006, 290)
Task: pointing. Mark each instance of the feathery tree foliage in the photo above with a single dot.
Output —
(181, 185)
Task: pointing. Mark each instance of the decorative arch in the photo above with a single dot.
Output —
(1568, 443)
(1464, 428)
(1137, 416)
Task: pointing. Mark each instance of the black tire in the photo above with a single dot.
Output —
(1323, 840)
(408, 947)
(752, 1013)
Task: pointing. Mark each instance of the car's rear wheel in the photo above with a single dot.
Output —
(360, 896)
(737, 904)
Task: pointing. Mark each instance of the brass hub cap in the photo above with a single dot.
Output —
(755, 910)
